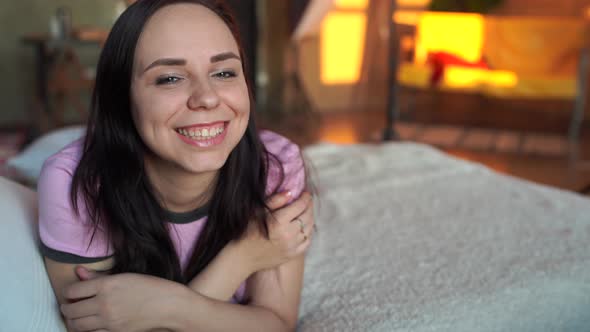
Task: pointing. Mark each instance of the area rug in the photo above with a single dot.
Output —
(410, 239)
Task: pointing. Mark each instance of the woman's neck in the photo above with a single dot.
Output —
(178, 190)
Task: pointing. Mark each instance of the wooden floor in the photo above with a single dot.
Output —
(366, 127)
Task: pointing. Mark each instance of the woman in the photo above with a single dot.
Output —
(172, 156)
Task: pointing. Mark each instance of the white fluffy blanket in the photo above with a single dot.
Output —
(410, 239)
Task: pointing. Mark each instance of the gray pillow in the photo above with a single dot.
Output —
(27, 164)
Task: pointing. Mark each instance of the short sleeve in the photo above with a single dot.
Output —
(289, 160)
(66, 236)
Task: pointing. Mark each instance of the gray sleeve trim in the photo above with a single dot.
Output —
(64, 257)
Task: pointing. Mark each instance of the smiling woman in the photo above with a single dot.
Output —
(174, 212)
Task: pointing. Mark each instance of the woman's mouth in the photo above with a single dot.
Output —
(203, 136)
(202, 133)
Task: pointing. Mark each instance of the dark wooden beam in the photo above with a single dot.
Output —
(273, 43)
(389, 132)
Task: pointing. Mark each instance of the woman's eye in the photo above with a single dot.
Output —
(166, 80)
(225, 74)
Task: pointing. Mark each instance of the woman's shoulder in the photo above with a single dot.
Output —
(66, 159)
(56, 175)
(53, 185)
(66, 234)
(279, 145)
(287, 171)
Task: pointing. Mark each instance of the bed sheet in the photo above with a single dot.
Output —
(411, 239)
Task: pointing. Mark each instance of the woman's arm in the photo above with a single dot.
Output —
(62, 275)
(223, 276)
(130, 302)
(275, 297)
(240, 259)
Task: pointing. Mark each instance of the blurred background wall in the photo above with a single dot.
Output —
(17, 67)
(543, 7)
(19, 18)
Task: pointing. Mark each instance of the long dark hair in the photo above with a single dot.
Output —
(111, 175)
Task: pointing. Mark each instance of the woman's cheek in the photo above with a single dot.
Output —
(162, 106)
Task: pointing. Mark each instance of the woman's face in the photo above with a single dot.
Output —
(190, 99)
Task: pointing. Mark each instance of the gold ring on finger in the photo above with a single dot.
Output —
(301, 224)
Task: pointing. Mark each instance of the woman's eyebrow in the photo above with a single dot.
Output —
(181, 62)
(166, 62)
(224, 56)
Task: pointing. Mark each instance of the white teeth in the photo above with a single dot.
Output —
(206, 133)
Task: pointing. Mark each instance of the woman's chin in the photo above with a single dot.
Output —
(204, 166)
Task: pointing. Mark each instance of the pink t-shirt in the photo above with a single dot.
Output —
(65, 237)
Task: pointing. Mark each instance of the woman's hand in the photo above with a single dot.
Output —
(290, 228)
(122, 302)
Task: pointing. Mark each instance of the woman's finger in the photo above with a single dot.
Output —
(85, 273)
(307, 215)
(85, 308)
(290, 212)
(90, 323)
(82, 289)
(298, 224)
(279, 200)
(304, 220)
(303, 246)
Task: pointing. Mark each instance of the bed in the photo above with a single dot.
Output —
(409, 239)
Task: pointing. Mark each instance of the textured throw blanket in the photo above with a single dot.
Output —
(410, 239)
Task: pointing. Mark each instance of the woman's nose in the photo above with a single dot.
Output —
(203, 97)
